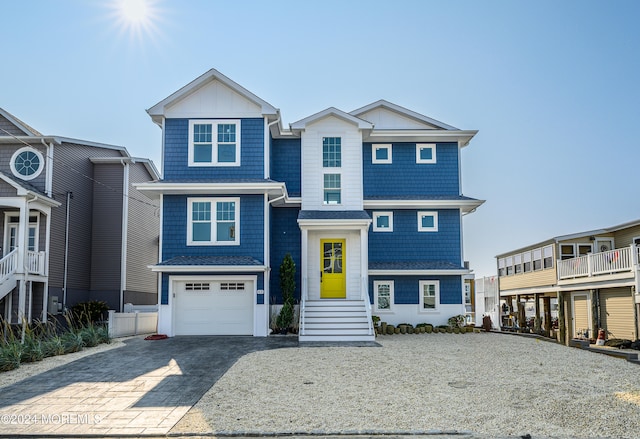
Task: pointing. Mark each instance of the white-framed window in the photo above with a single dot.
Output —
(526, 262)
(567, 251)
(517, 263)
(214, 142)
(381, 153)
(429, 295)
(537, 259)
(427, 221)
(547, 254)
(425, 153)
(584, 249)
(332, 190)
(383, 295)
(383, 221)
(213, 221)
(501, 267)
(27, 163)
(509, 265)
(331, 152)
(11, 225)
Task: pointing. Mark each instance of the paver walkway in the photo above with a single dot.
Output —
(144, 387)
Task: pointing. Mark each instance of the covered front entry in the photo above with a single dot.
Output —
(333, 283)
(213, 306)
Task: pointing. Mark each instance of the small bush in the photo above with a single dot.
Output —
(10, 354)
(90, 336)
(52, 346)
(89, 312)
(72, 342)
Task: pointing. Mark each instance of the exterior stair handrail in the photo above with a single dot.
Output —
(8, 265)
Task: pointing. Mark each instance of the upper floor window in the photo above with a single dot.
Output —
(27, 163)
(425, 153)
(381, 153)
(547, 253)
(383, 221)
(429, 295)
(331, 152)
(214, 143)
(332, 189)
(526, 264)
(427, 221)
(213, 221)
(383, 295)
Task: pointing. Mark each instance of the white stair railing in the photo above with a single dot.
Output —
(35, 262)
(8, 265)
(364, 295)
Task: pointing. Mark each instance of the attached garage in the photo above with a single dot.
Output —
(617, 313)
(213, 306)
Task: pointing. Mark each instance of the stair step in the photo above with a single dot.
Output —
(332, 325)
(338, 331)
(336, 319)
(336, 338)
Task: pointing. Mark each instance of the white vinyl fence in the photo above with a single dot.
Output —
(122, 324)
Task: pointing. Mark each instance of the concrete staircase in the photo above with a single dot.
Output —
(335, 320)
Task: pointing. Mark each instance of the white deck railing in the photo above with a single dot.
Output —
(598, 264)
(36, 263)
(8, 264)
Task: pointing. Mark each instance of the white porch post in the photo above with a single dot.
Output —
(303, 264)
(364, 262)
(22, 253)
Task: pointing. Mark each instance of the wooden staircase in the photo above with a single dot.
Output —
(335, 320)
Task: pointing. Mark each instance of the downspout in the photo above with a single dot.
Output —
(66, 251)
(125, 224)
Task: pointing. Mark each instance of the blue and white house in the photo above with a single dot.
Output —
(368, 203)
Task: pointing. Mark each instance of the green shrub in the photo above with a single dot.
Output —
(72, 342)
(90, 336)
(31, 350)
(103, 334)
(10, 354)
(52, 346)
(88, 312)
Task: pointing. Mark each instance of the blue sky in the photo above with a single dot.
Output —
(552, 87)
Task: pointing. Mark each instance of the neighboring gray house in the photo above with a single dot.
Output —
(72, 225)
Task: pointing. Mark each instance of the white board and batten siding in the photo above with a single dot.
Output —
(313, 172)
(385, 119)
(214, 100)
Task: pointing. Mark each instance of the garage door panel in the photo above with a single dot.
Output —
(217, 308)
(618, 313)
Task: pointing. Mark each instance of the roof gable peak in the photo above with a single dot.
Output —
(332, 111)
(404, 112)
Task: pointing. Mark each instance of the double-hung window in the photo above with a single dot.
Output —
(331, 163)
(383, 297)
(213, 221)
(429, 295)
(214, 142)
(383, 221)
(427, 221)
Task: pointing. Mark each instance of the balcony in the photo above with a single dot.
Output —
(621, 262)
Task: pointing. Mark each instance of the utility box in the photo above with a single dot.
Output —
(54, 305)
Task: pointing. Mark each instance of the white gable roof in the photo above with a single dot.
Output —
(211, 95)
(332, 111)
(387, 116)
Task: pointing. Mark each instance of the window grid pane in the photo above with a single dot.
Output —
(332, 189)
(226, 133)
(384, 296)
(331, 152)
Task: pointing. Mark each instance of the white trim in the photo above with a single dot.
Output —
(125, 225)
(214, 142)
(403, 111)
(49, 170)
(422, 228)
(331, 111)
(8, 225)
(156, 188)
(325, 189)
(376, 285)
(421, 284)
(376, 215)
(388, 147)
(573, 312)
(213, 220)
(12, 163)
(465, 206)
(389, 272)
(207, 268)
(420, 136)
(430, 146)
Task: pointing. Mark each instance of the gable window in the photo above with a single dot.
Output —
(425, 153)
(332, 189)
(27, 163)
(429, 295)
(427, 221)
(383, 298)
(381, 153)
(383, 221)
(213, 221)
(214, 143)
(331, 152)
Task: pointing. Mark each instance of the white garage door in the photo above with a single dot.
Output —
(213, 307)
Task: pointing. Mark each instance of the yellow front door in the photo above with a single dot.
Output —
(333, 280)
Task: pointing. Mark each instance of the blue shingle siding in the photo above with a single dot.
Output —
(164, 296)
(285, 238)
(174, 230)
(286, 164)
(406, 177)
(406, 289)
(405, 243)
(176, 153)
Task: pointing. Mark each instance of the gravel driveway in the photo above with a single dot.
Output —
(488, 384)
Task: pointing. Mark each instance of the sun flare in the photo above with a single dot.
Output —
(139, 19)
(134, 10)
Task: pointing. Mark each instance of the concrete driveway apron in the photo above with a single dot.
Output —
(143, 388)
